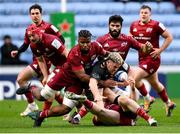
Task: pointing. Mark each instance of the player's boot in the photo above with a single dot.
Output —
(23, 90)
(147, 104)
(152, 122)
(74, 96)
(30, 108)
(67, 117)
(169, 108)
(75, 120)
(36, 117)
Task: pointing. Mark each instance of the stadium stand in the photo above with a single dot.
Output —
(92, 16)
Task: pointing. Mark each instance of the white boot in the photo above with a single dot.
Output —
(152, 122)
(30, 108)
(67, 117)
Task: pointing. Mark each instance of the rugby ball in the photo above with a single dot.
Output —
(120, 76)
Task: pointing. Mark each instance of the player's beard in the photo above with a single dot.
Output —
(84, 52)
(114, 33)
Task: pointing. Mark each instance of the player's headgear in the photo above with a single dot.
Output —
(85, 34)
(32, 30)
(116, 18)
(115, 57)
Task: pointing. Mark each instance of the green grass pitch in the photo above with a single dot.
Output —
(11, 122)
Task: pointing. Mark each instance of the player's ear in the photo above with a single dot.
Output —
(78, 40)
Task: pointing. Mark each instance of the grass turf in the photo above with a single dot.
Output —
(11, 122)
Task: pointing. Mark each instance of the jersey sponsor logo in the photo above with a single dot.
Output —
(115, 50)
(54, 28)
(82, 62)
(35, 66)
(57, 44)
(142, 38)
(106, 45)
(149, 30)
(42, 31)
(123, 44)
(162, 26)
(145, 66)
(57, 70)
(135, 30)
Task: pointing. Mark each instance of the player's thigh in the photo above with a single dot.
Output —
(137, 73)
(153, 78)
(154, 81)
(109, 94)
(55, 81)
(107, 116)
(26, 74)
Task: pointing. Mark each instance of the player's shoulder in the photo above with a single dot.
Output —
(74, 52)
(158, 25)
(50, 39)
(125, 37)
(155, 25)
(135, 23)
(154, 22)
(96, 44)
(103, 37)
(45, 23)
(74, 55)
(30, 26)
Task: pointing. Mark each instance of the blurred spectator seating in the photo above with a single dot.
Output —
(92, 15)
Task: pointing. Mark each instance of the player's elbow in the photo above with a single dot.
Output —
(170, 38)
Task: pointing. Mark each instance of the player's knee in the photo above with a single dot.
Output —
(20, 81)
(123, 100)
(138, 84)
(106, 92)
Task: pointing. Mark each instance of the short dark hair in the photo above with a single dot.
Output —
(6, 37)
(84, 33)
(145, 7)
(116, 18)
(35, 6)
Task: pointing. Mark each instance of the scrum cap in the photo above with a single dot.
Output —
(32, 30)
